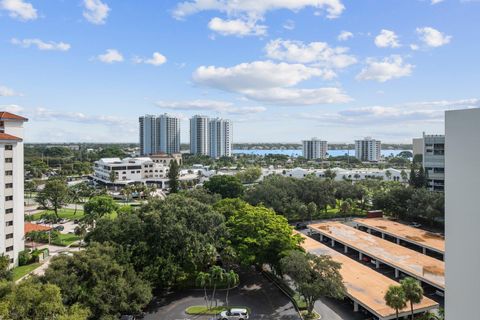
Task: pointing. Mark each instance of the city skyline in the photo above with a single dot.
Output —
(337, 69)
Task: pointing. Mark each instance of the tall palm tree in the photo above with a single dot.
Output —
(203, 279)
(217, 275)
(395, 298)
(232, 279)
(413, 291)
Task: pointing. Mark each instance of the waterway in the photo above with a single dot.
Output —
(297, 153)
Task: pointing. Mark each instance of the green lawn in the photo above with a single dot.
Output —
(19, 272)
(198, 310)
(62, 213)
(65, 239)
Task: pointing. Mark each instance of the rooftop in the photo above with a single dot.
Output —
(9, 137)
(6, 116)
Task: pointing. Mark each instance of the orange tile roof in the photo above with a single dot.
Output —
(5, 136)
(4, 115)
(29, 227)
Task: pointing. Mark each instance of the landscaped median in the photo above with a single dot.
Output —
(203, 310)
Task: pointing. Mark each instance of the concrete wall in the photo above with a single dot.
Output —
(462, 214)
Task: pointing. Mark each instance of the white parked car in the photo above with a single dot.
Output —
(234, 314)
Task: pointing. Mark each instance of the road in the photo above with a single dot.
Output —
(255, 292)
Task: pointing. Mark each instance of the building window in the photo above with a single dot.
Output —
(8, 147)
(9, 211)
(9, 236)
(9, 223)
(8, 198)
(8, 249)
(9, 173)
(8, 185)
(8, 160)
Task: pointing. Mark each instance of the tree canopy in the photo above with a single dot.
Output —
(226, 186)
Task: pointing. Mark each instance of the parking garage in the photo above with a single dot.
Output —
(428, 270)
(428, 243)
(366, 288)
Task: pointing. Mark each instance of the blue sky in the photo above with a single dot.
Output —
(282, 70)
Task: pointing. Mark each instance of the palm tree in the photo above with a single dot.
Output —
(345, 207)
(217, 275)
(203, 279)
(388, 174)
(395, 298)
(413, 291)
(232, 279)
(75, 193)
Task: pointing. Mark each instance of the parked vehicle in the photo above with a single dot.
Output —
(234, 314)
(415, 224)
(59, 228)
(301, 226)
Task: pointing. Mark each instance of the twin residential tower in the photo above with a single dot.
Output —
(208, 136)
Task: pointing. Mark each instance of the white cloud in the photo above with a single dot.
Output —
(401, 115)
(237, 27)
(432, 37)
(13, 108)
(209, 105)
(414, 47)
(289, 25)
(43, 114)
(8, 92)
(110, 56)
(19, 9)
(157, 59)
(319, 53)
(433, 2)
(383, 70)
(270, 82)
(387, 38)
(42, 45)
(95, 11)
(254, 8)
(344, 36)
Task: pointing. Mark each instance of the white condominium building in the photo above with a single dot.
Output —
(159, 134)
(314, 149)
(368, 149)
(11, 188)
(199, 135)
(220, 138)
(462, 259)
(434, 161)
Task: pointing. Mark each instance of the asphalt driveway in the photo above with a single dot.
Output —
(264, 299)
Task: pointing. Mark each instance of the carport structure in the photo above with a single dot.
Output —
(365, 287)
(399, 232)
(410, 262)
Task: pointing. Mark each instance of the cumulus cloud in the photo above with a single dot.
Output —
(19, 9)
(237, 27)
(95, 11)
(13, 108)
(8, 92)
(42, 45)
(254, 8)
(110, 56)
(387, 39)
(270, 82)
(157, 59)
(386, 69)
(319, 53)
(344, 36)
(209, 105)
(432, 37)
(433, 2)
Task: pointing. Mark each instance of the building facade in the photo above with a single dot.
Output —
(462, 259)
(434, 161)
(368, 149)
(314, 149)
(159, 134)
(12, 186)
(417, 146)
(199, 135)
(165, 158)
(220, 138)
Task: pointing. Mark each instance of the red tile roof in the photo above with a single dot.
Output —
(4, 115)
(29, 227)
(6, 136)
